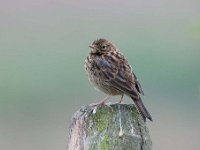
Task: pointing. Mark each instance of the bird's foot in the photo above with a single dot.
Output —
(103, 102)
(100, 104)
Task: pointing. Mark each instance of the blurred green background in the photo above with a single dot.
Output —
(43, 44)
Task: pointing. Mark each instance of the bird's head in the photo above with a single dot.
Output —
(101, 46)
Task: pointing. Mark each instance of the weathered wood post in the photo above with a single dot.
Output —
(120, 129)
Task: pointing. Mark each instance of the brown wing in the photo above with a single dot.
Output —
(118, 73)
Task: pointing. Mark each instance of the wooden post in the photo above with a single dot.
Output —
(104, 129)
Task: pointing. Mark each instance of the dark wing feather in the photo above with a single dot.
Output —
(119, 74)
(138, 86)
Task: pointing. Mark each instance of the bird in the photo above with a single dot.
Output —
(109, 71)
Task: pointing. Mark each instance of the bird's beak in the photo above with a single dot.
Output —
(91, 46)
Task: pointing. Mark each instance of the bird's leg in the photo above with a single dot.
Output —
(102, 102)
(121, 99)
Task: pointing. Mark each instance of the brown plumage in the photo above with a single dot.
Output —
(109, 71)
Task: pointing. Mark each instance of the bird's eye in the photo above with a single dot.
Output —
(103, 47)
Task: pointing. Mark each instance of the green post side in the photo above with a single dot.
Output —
(104, 129)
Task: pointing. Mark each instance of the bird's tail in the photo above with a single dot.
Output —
(142, 109)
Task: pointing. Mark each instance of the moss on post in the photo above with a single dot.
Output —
(103, 129)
